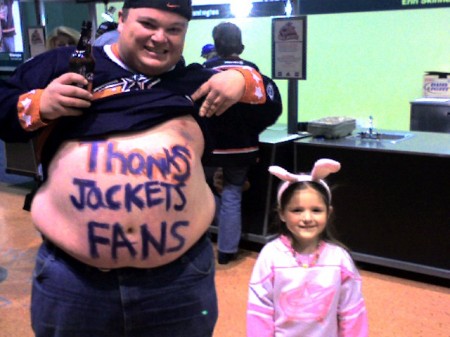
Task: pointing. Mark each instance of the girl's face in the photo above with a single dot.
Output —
(306, 216)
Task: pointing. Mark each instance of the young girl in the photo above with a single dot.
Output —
(304, 283)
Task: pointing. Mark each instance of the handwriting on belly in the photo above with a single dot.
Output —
(173, 163)
(166, 176)
(118, 239)
(118, 197)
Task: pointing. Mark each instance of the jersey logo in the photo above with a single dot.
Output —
(125, 84)
(270, 91)
(309, 302)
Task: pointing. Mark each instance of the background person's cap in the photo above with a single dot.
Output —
(207, 48)
(106, 27)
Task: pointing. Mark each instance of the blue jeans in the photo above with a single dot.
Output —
(8, 44)
(229, 220)
(72, 299)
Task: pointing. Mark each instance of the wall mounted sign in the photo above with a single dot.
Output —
(289, 47)
(36, 40)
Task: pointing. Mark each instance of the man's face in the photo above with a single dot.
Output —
(151, 40)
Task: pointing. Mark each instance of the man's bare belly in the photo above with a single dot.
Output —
(138, 200)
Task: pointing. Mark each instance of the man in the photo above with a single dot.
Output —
(208, 51)
(106, 34)
(124, 207)
(236, 148)
(62, 36)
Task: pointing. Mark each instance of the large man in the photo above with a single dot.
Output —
(125, 206)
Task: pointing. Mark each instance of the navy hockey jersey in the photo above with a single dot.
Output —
(237, 130)
(138, 105)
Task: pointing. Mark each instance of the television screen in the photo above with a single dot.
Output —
(11, 39)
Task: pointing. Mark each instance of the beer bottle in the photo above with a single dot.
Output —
(82, 60)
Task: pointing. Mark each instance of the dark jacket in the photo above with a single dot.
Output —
(236, 132)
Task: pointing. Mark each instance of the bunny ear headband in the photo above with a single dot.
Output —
(322, 168)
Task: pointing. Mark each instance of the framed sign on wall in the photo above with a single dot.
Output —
(36, 40)
(289, 48)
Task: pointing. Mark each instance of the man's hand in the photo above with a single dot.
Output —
(222, 90)
(62, 97)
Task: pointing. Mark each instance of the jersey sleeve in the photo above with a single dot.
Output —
(20, 94)
(10, 126)
(261, 103)
(352, 313)
(260, 306)
(264, 115)
(28, 110)
(254, 86)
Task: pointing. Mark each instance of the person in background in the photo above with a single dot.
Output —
(62, 36)
(124, 208)
(237, 144)
(228, 46)
(208, 51)
(8, 30)
(304, 282)
(107, 33)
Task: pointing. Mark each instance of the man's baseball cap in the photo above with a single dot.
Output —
(181, 7)
(207, 48)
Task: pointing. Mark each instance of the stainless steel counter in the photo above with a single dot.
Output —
(427, 143)
(391, 199)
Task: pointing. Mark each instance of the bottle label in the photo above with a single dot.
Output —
(80, 66)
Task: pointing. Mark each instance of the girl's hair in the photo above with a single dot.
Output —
(329, 233)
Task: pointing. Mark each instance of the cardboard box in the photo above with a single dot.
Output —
(436, 84)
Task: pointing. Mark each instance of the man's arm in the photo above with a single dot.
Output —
(226, 88)
(32, 97)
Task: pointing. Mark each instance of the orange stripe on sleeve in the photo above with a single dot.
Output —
(255, 92)
(28, 110)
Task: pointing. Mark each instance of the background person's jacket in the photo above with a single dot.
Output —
(236, 132)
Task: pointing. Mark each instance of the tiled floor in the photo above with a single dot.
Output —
(397, 307)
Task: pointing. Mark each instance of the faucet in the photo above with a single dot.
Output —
(370, 133)
(370, 125)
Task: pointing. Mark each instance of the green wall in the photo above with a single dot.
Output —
(67, 14)
(57, 13)
(358, 64)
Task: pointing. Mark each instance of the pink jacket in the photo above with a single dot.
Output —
(288, 300)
